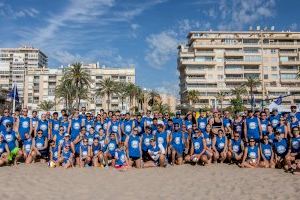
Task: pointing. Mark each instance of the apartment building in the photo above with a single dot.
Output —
(14, 62)
(213, 61)
(40, 85)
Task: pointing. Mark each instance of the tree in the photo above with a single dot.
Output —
(122, 91)
(78, 77)
(141, 95)
(161, 108)
(132, 90)
(192, 97)
(298, 74)
(153, 98)
(106, 87)
(3, 95)
(65, 92)
(252, 83)
(220, 97)
(46, 105)
(237, 102)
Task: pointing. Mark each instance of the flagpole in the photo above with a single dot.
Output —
(14, 98)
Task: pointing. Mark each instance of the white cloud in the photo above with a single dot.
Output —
(235, 14)
(9, 12)
(293, 27)
(161, 48)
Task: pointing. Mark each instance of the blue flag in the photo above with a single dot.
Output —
(13, 94)
(278, 101)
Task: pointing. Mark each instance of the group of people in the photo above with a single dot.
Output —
(249, 139)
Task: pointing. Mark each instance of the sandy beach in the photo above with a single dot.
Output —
(181, 182)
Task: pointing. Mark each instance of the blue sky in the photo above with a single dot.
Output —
(143, 33)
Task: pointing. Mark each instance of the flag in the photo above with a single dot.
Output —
(13, 94)
(278, 101)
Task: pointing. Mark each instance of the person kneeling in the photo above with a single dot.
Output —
(198, 149)
(84, 154)
(157, 153)
(251, 155)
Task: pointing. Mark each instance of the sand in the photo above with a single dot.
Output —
(219, 181)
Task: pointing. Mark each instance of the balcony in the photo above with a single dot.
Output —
(204, 53)
(235, 79)
(193, 62)
(216, 45)
(290, 62)
(287, 53)
(187, 54)
(234, 53)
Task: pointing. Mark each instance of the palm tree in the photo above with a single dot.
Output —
(65, 91)
(106, 87)
(298, 74)
(122, 91)
(132, 91)
(161, 108)
(152, 98)
(46, 105)
(252, 83)
(141, 95)
(192, 97)
(3, 95)
(238, 92)
(79, 77)
(220, 97)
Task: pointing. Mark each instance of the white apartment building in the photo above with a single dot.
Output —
(40, 85)
(213, 61)
(14, 62)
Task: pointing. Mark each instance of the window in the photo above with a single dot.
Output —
(273, 51)
(288, 76)
(98, 77)
(233, 67)
(274, 68)
(220, 77)
(274, 76)
(265, 76)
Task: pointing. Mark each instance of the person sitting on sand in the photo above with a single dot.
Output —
(294, 150)
(267, 154)
(27, 148)
(280, 151)
(97, 153)
(4, 151)
(111, 146)
(84, 154)
(53, 150)
(40, 147)
(219, 145)
(198, 148)
(122, 162)
(157, 153)
(177, 145)
(11, 140)
(235, 148)
(207, 134)
(251, 155)
(66, 158)
(134, 149)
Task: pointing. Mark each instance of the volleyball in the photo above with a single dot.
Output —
(51, 164)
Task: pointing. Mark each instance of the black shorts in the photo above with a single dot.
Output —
(44, 154)
(145, 155)
(76, 155)
(134, 158)
(21, 144)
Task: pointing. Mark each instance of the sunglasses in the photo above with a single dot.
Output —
(135, 130)
(61, 129)
(252, 141)
(236, 136)
(85, 141)
(39, 133)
